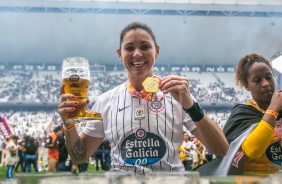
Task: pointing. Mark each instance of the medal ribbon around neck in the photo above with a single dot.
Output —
(277, 128)
(147, 95)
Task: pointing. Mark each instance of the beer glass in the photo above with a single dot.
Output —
(76, 77)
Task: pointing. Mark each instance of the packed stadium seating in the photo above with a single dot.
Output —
(43, 87)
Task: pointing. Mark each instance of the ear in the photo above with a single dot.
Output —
(119, 54)
(157, 52)
(246, 87)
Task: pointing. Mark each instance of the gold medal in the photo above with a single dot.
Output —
(151, 84)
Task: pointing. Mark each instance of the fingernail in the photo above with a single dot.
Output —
(73, 96)
(72, 108)
(75, 103)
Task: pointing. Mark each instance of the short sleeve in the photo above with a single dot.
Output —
(94, 129)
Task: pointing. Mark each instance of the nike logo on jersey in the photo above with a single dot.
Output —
(121, 109)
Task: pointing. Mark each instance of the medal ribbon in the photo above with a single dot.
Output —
(148, 96)
(277, 128)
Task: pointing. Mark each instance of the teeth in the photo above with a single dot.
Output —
(139, 63)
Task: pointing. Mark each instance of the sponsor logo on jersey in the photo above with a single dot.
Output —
(157, 105)
(274, 153)
(142, 148)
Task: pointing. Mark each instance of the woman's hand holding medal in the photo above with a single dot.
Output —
(178, 87)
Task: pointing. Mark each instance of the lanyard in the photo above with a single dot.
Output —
(148, 96)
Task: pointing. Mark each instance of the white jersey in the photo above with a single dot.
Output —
(145, 136)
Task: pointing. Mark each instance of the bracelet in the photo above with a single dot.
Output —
(68, 128)
(195, 112)
(272, 112)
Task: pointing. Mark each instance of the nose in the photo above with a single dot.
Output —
(137, 53)
(265, 82)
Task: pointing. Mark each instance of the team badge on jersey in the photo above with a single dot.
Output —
(157, 105)
(274, 153)
(142, 148)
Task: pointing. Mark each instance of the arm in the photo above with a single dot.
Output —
(182, 149)
(213, 138)
(80, 148)
(50, 143)
(257, 142)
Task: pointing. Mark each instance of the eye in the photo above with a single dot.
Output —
(269, 77)
(129, 48)
(257, 80)
(145, 47)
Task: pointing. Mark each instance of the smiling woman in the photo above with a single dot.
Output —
(143, 118)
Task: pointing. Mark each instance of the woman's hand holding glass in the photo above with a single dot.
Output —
(73, 106)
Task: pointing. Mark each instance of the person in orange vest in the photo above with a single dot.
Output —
(53, 149)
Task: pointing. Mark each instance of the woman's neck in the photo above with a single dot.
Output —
(137, 83)
(262, 105)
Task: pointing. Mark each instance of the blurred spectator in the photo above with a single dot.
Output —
(31, 155)
(11, 156)
(53, 149)
(21, 150)
(209, 155)
(106, 154)
(189, 147)
(65, 163)
(98, 155)
(83, 167)
(201, 152)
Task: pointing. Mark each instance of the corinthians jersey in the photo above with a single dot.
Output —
(144, 136)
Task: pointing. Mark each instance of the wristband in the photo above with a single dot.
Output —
(195, 112)
(271, 112)
(68, 128)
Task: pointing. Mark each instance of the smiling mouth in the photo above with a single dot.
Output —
(139, 63)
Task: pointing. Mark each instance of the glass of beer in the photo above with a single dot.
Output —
(76, 77)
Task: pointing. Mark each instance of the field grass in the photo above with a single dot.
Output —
(32, 178)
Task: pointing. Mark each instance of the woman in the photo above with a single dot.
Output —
(262, 147)
(189, 146)
(143, 118)
(31, 155)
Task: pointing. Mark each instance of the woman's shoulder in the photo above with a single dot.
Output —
(240, 119)
(244, 109)
(116, 90)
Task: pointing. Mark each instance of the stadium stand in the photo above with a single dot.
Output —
(42, 87)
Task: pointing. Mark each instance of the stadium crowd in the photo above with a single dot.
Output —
(43, 87)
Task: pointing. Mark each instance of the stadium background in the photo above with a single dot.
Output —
(202, 40)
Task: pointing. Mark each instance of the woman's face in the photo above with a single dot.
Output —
(261, 83)
(138, 53)
(185, 136)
